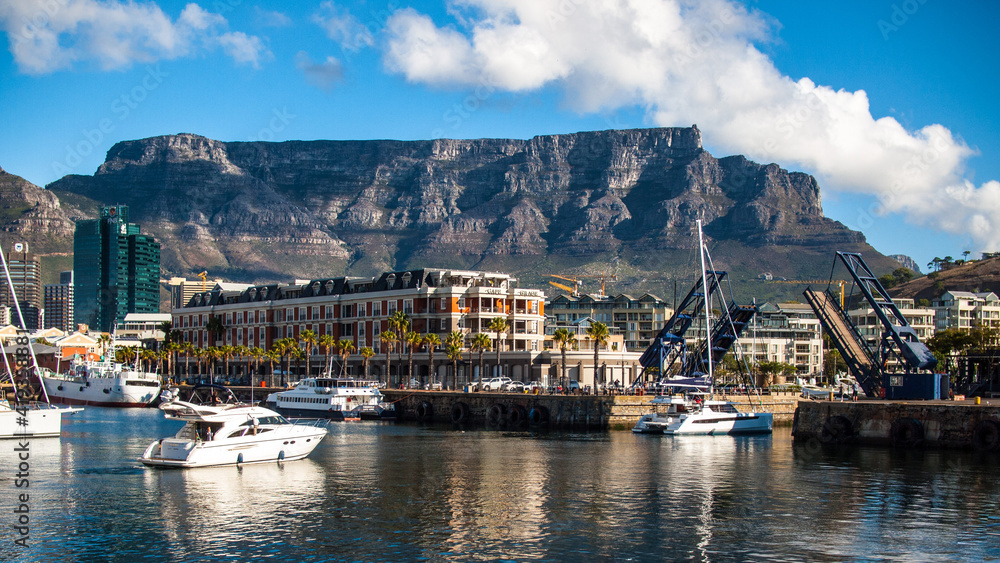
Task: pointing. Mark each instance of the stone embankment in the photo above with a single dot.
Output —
(941, 424)
(517, 410)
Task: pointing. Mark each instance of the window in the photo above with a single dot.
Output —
(390, 308)
(461, 302)
(315, 312)
(376, 329)
(408, 306)
(361, 330)
(444, 304)
(377, 309)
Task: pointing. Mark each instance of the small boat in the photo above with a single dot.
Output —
(713, 418)
(31, 420)
(222, 431)
(334, 398)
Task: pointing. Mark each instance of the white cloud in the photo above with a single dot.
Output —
(696, 62)
(323, 75)
(49, 35)
(269, 18)
(342, 27)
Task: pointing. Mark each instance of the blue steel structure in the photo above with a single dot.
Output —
(899, 340)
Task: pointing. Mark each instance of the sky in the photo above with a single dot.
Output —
(891, 105)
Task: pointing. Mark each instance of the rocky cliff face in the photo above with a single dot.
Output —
(549, 204)
(31, 214)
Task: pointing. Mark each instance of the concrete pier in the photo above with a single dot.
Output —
(907, 424)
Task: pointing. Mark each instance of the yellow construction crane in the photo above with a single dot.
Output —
(575, 290)
(204, 280)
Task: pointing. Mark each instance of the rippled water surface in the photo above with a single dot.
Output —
(376, 491)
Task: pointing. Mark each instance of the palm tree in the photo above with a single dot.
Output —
(499, 326)
(366, 355)
(454, 353)
(413, 339)
(286, 348)
(147, 356)
(199, 356)
(328, 343)
(345, 348)
(598, 332)
(171, 348)
(481, 343)
(388, 340)
(162, 356)
(457, 341)
(125, 355)
(256, 353)
(103, 341)
(400, 324)
(432, 341)
(308, 338)
(226, 353)
(167, 328)
(272, 356)
(562, 338)
(212, 353)
(215, 328)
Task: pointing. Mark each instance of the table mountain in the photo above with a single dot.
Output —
(622, 201)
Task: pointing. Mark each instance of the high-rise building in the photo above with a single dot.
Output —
(26, 277)
(59, 303)
(116, 270)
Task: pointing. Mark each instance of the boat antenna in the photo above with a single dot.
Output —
(24, 327)
(708, 310)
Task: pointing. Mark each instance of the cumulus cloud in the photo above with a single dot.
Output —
(49, 35)
(697, 62)
(342, 27)
(324, 75)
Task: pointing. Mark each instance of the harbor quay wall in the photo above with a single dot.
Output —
(519, 410)
(906, 424)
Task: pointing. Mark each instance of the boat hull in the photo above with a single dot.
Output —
(100, 392)
(183, 453)
(42, 422)
(713, 424)
(335, 415)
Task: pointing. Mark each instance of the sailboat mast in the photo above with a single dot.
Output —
(24, 326)
(708, 309)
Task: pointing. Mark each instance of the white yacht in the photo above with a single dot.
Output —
(719, 417)
(31, 420)
(103, 384)
(333, 398)
(231, 433)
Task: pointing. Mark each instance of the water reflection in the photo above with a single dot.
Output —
(398, 492)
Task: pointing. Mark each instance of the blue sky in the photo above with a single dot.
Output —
(890, 104)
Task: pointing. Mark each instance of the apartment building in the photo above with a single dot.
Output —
(965, 310)
(788, 333)
(636, 319)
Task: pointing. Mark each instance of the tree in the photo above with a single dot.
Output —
(481, 343)
(499, 326)
(167, 328)
(366, 355)
(103, 341)
(212, 354)
(226, 353)
(454, 353)
(455, 341)
(171, 348)
(148, 357)
(272, 356)
(329, 344)
(388, 339)
(216, 328)
(286, 348)
(308, 338)
(562, 339)
(431, 341)
(768, 370)
(413, 339)
(598, 332)
(345, 348)
(399, 323)
(257, 353)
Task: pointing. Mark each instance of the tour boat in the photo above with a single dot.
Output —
(720, 417)
(656, 422)
(103, 383)
(333, 398)
(228, 433)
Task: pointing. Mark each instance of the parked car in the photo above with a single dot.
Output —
(532, 386)
(514, 387)
(495, 383)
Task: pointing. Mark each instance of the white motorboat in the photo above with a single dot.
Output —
(31, 420)
(103, 384)
(228, 433)
(719, 417)
(333, 398)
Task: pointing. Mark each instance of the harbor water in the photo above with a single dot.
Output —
(401, 492)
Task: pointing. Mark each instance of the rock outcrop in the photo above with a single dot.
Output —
(31, 214)
(555, 203)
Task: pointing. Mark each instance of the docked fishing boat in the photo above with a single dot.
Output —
(103, 383)
(222, 431)
(333, 398)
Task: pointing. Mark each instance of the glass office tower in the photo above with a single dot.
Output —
(116, 270)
